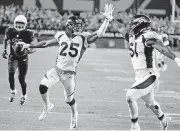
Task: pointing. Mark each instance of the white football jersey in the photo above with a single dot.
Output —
(70, 50)
(141, 53)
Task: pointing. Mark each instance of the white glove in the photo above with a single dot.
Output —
(177, 60)
(108, 10)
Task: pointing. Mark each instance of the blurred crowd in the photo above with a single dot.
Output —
(51, 19)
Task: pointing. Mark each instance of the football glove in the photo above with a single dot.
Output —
(5, 54)
(108, 10)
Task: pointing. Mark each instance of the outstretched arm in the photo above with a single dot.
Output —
(41, 44)
(99, 33)
(157, 44)
(164, 50)
(108, 10)
(44, 44)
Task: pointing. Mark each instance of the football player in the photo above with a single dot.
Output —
(142, 41)
(72, 44)
(159, 57)
(17, 58)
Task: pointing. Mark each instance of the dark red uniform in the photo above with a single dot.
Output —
(18, 61)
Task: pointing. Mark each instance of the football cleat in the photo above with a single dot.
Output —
(135, 127)
(13, 94)
(164, 123)
(46, 111)
(23, 99)
(73, 124)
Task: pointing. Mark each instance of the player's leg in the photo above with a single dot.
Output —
(12, 66)
(152, 104)
(23, 68)
(68, 81)
(50, 79)
(135, 93)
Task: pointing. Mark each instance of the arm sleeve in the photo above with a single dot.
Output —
(7, 33)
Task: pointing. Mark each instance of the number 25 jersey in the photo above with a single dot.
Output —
(141, 53)
(70, 50)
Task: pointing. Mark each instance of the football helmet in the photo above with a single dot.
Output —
(20, 22)
(74, 25)
(139, 23)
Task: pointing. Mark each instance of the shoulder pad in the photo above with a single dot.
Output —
(9, 29)
(58, 35)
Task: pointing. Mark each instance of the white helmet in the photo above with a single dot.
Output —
(20, 22)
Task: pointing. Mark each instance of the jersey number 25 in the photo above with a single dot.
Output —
(73, 49)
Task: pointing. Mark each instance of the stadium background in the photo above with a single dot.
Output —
(45, 17)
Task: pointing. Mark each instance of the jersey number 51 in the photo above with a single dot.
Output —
(133, 49)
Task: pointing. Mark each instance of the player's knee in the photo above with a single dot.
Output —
(129, 97)
(129, 100)
(43, 89)
(72, 102)
(69, 99)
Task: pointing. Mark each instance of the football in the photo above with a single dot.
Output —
(18, 52)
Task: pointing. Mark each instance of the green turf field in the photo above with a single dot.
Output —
(103, 78)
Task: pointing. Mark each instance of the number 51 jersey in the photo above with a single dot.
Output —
(70, 50)
(141, 53)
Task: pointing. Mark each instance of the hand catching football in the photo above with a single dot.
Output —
(24, 45)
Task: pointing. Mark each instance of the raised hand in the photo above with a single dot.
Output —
(108, 10)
